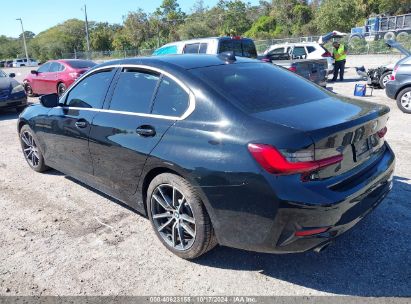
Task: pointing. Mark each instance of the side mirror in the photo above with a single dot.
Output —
(49, 100)
(12, 75)
(34, 72)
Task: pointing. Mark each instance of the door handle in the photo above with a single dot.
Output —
(81, 124)
(146, 131)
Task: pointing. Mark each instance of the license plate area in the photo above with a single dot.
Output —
(363, 148)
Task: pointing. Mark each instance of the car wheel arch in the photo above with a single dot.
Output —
(407, 86)
(153, 172)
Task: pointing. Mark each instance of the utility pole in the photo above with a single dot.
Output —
(87, 32)
(24, 39)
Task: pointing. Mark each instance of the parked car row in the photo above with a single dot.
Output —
(217, 149)
(313, 68)
(19, 62)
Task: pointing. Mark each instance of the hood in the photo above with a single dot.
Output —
(396, 45)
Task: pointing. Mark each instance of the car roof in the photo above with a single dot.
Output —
(196, 40)
(184, 61)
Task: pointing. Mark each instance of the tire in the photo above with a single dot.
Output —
(402, 36)
(173, 206)
(28, 89)
(61, 88)
(389, 36)
(385, 77)
(404, 100)
(34, 157)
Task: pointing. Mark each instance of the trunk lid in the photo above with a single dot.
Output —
(336, 126)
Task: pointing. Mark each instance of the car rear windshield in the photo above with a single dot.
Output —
(258, 87)
(80, 64)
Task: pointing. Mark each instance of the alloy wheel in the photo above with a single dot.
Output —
(173, 217)
(406, 101)
(30, 149)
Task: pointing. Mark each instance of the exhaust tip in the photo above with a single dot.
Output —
(321, 248)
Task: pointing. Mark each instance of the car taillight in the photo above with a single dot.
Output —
(293, 69)
(381, 133)
(284, 163)
(310, 232)
(326, 54)
(394, 73)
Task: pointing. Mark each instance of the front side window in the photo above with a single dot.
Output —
(171, 99)
(277, 51)
(191, 48)
(44, 68)
(134, 91)
(91, 91)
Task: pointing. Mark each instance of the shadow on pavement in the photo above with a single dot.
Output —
(373, 259)
(8, 114)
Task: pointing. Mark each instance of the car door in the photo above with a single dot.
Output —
(67, 128)
(123, 136)
(50, 79)
(37, 82)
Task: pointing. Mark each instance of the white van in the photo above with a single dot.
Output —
(242, 47)
(20, 62)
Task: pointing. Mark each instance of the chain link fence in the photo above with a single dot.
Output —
(355, 47)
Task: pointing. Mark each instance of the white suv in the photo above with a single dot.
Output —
(303, 50)
(19, 62)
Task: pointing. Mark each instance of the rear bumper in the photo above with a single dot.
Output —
(265, 224)
(13, 103)
(392, 88)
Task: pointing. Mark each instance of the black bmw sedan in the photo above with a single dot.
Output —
(12, 94)
(217, 150)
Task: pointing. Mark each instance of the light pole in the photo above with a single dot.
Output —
(87, 32)
(24, 39)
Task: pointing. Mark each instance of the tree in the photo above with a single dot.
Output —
(169, 16)
(136, 27)
(102, 36)
(265, 27)
(235, 21)
(338, 15)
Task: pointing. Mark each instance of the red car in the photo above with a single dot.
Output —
(55, 76)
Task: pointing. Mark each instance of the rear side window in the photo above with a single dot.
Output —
(55, 67)
(249, 49)
(203, 48)
(299, 51)
(171, 99)
(134, 91)
(91, 91)
(81, 64)
(231, 45)
(310, 49)
(191, 48)
(257, 87)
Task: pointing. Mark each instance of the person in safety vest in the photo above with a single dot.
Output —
(339, 55)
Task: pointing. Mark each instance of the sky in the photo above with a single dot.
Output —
(40, 15)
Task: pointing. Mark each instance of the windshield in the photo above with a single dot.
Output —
(2, 74)
(258, 87)
(80, 64)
